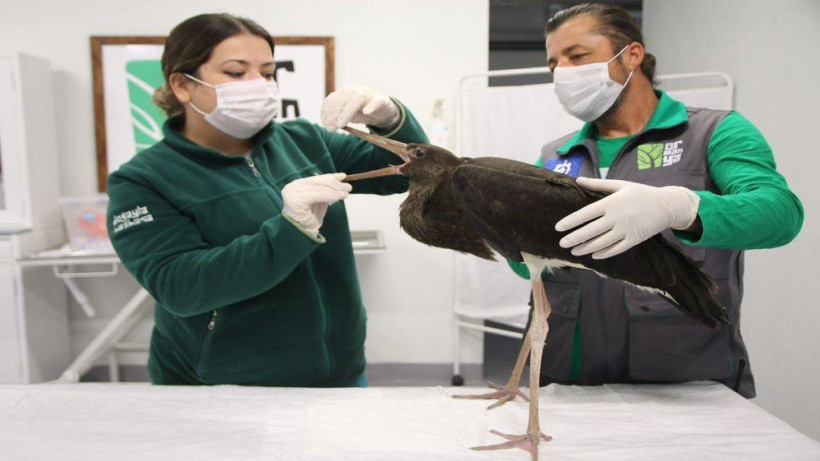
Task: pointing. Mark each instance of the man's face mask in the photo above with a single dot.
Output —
(242, 108)
(587, 91)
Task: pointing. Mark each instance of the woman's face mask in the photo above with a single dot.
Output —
(587, 91)
(242, 108)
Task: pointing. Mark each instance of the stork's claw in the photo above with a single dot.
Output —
(527, 442)
(504, 394)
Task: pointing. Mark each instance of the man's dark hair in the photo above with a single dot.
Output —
(615, 23)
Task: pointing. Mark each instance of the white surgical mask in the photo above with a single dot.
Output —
(242, 108)
(587, 91)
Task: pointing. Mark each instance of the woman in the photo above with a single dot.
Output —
(229, 221)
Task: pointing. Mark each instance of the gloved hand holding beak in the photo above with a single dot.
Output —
(306, 199)
(359, 104)
(631, 214)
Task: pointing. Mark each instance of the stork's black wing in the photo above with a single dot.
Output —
(515, 209)
(432, 216)
(528, 170)
(515, 205)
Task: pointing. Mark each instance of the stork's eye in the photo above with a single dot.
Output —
(419, 153)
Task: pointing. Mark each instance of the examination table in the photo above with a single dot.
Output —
(694, 421)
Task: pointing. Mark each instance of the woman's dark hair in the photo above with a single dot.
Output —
(191, 43)
(615, 23)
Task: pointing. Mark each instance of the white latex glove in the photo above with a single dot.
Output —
(631, 214)
(306, 199)
(358, 104)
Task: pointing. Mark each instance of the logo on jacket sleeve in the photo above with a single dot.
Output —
(131, 218)
(657, 155)
(567, 165)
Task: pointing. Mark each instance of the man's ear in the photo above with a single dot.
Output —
(635, 54)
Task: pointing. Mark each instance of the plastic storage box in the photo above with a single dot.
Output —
(85, 222)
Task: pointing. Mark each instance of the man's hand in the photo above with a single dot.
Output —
(359, 104)
(631, 214)
(306, 199)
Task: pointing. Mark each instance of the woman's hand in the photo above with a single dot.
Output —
(306, 199)
(359, 104)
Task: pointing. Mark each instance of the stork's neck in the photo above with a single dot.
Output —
(418, 195)
(421, 191)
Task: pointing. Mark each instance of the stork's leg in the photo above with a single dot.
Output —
(537, 335)
(508, 392)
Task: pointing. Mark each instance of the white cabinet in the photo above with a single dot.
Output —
(34, 342)
(28, 146)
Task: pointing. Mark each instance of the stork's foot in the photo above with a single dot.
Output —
(527, 442)
(504, 394)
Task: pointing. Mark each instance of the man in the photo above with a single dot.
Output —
(706, 178)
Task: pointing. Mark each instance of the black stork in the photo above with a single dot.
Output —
(476, 205)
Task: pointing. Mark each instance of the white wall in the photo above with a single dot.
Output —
(770, 50)
(412, 49)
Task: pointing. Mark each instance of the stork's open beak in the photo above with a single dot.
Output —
(398, 148)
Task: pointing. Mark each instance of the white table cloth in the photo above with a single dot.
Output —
(697, 421)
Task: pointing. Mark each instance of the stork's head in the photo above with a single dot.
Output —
(422, 162)
(428, 162)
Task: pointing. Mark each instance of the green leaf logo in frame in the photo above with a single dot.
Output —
(650, 156)
(144, 77)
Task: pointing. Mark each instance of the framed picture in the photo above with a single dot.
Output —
(126, 71)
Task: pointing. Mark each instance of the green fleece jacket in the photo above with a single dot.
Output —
(243, 295)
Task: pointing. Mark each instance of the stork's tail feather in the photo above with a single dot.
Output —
(694, 292)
